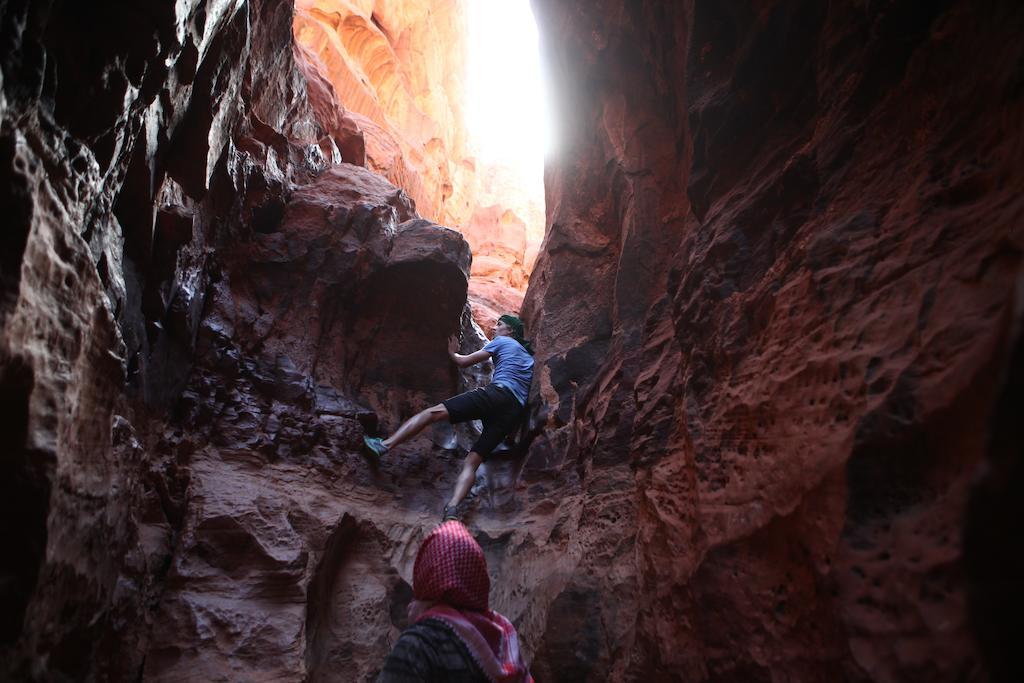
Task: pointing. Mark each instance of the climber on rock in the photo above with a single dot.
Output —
(499, 405)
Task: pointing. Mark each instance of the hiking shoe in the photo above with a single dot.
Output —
(451, 512)
(374, 446)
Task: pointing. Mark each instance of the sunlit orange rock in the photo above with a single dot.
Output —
(504, 232)
(396, 70)
(400, 67)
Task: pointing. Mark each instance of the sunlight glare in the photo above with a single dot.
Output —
(508, 114)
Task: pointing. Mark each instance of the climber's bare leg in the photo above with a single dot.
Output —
(466, 478)
(415, 424)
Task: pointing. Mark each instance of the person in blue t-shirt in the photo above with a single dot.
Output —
(499, 405)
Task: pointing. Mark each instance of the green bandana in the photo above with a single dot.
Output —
(517, 331)
(515, 323)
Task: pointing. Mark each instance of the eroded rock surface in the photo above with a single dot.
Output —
(202, 311)
(118, 160)
(777, 308)
(798, 233)
(387, 81)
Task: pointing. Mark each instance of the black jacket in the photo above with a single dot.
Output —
(429, 651)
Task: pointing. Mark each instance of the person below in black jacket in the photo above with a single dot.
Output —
(454, 637)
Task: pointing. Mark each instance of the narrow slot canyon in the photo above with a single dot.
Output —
(770, 260)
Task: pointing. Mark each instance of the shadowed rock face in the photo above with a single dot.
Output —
(201, 308)
(115, 126)
(798, 233)
(777, 308)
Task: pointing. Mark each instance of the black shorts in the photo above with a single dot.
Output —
(495, 406)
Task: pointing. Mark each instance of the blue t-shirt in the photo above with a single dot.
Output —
(513, 366)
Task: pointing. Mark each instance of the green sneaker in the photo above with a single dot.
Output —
(374, 446)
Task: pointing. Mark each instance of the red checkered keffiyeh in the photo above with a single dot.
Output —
(450, 574)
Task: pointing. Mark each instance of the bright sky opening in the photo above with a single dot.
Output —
(508, 113)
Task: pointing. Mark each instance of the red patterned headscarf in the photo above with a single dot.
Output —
(450, 584)
(451, 568)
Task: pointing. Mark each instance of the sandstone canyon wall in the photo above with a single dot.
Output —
(201, 308)
(398, 71)
(503, 234)
(774, 304)
(777, 301)
(399, 67)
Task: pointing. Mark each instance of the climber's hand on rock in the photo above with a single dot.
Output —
(453, 345)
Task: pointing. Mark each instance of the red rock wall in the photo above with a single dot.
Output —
(201, 308)
(504, 232)
(772, 307)
(775, 308)
(398, 70)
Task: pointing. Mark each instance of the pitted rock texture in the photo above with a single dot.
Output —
(771, 307)
(290, 556)
(777, 308)
(201, 309)
(118, 133)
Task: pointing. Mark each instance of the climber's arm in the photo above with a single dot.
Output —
(465, 361)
